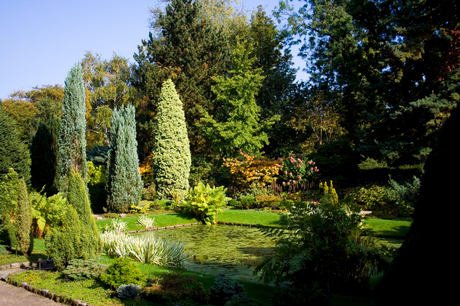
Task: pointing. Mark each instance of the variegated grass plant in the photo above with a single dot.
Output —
(146, 249)
(117, 226)
(146, 221)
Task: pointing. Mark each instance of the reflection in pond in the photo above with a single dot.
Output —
(233, 251)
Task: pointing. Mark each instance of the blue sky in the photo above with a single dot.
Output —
(40, 40)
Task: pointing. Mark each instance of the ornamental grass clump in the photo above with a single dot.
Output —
(146, 221)
(144, 249)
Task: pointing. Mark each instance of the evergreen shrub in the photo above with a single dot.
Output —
(129, 292)
(80, 269)
(171, 155)
(23, 222)
(224, 290)
(122, 271)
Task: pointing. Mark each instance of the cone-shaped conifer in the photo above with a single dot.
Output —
(72, 141)
(171, 154)
(124, 183)
(23, 222)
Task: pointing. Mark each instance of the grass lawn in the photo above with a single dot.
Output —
(160, 221)
(388, 228)
(249, 217)
(38, 252)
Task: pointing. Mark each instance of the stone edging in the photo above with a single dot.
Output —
(162, 228)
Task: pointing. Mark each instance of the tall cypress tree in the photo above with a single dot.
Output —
(13, 152)
(43, 153)
(171, 155)
(72, 141)
(124, 183)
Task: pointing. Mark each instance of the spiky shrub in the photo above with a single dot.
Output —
(80, 269)
(72, 141)
(122, 271)
(129, 292)
(13, 151)
(77, 196)
(124, 183)
(171, 154)
(146, 221)
(205, 202)
(23, 222)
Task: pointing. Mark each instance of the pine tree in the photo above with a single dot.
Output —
(13, 152)
(239, 127)
(124, 183)
(23, 222)
(171, 154)
(43, 153)
(72, 141)
(77, 197)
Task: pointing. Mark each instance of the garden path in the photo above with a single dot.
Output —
(15, 296)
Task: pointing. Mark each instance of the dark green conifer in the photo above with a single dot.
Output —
(13, 152)
(23, 222)
(124, 183)
(171, 154)
(72, 141)
(43, 153)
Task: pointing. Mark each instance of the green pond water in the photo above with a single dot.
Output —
(233, 251)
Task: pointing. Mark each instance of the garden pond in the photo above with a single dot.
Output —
(233, 251)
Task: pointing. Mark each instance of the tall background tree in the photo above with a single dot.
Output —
(13, 151)
(171, 155)
(190, 51)
(72, 141)
(237, 126)
(124, 184)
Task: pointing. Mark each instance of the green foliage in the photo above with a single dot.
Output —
(173, 287)
(13, 151)
(80, 269)
(371, 197)
(9, 194)
(122, 271)
(96, 187)
(43, 153)
(224, 290)
(238, 126)
(243, 301)
(171, 155)
(72, 141)
(189, 51)
(405, 194)
(124, 184)
(205, 202)
(23, 222)
(322, 244)
(64, 244)
(47, 213)
(129, 292)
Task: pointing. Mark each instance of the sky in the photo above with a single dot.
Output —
(41, 40)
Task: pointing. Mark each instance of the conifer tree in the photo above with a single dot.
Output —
(77, 197)
(124, 183)
(13, 152)
(43, 153)
(23, 222)
(190, 50)
(171, 154)
(72, 141)
(238, 127)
